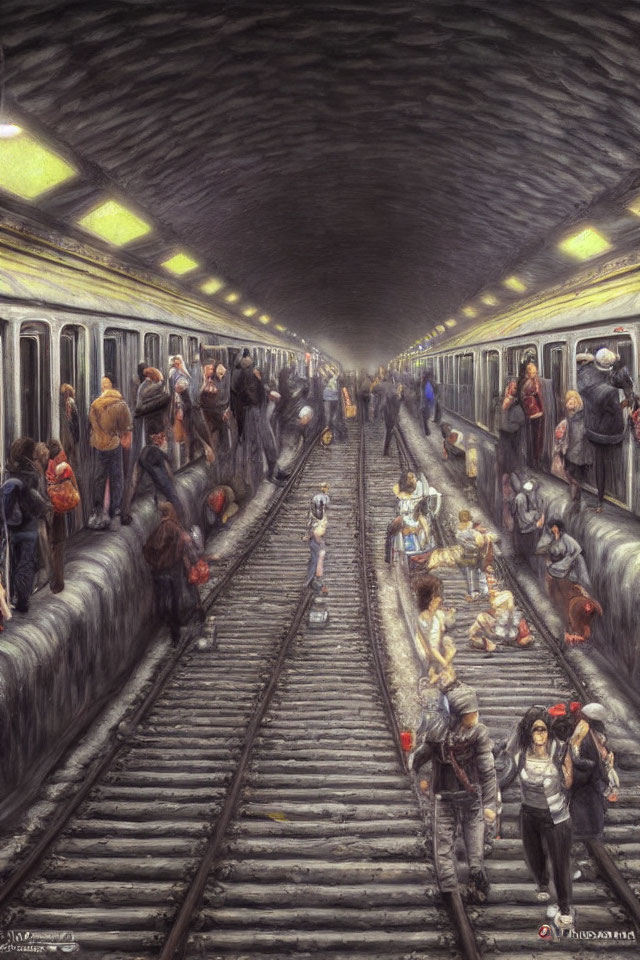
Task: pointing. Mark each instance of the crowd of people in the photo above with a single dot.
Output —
(237, 416)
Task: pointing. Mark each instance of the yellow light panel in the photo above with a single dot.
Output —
(450, 323)
(515, 284)
(113, 222)
(250, 312)
(232, 297)
(28, 169)
(469, 311)
(489, 299)
(180, 263)
(634, 207)
(212, 285)
(585, 244)
(440, 328)
(433, 333)
(264, 318)
(280, 328)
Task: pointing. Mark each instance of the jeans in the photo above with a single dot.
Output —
(24, 563)
(389, 427)
(543, 838)
(330, 411)
(446, 814)
(109, 468)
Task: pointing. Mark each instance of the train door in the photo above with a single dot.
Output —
(491, 397)
(466, 392)
(35, 380)
(622, 459)
(554, 368)
(74, 371)
(121, 358)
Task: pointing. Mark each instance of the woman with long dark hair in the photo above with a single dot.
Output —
(545, 772)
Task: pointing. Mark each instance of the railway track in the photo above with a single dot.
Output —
(507, 682)
(259, 806)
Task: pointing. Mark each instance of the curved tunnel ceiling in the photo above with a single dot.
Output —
(358, 168)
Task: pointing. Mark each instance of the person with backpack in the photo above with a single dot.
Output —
(111, 428)
(169, 551)
(62, 490)
(23, 507)
(463, 786)
(604, 422)
(428, 401)
(544, 768)
(318, 508)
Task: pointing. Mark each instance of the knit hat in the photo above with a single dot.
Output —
(462, 699)
(605, 359)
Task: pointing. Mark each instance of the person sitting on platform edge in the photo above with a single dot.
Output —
(154, 461)
(464, 790)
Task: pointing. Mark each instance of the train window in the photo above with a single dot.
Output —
(515, 356)
(121, 361)
(152, 350)
(491, 398)
(555, 369)
(621, 345)
(466, 392)
(212, 353)
(194, 350)
(35, 380)
(175, 345)
(73, 361)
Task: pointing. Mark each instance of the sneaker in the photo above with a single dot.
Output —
(563, 921)
(577, 874)
(542, 895)
(553, 911)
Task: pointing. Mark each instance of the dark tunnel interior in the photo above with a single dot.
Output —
(358, 169)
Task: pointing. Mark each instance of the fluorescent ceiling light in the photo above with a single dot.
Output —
(450, 323)
(180, 263)
(584, 244)
(9, 130)
(433, 333)
(249, 312)
(28, 169)
(489, 299)
(264, 318)
(232, 297)
(280, 328)
(469, 311)
(212, 285)
(633, 207)
(113, 222)
(515, 284)
(440, 328)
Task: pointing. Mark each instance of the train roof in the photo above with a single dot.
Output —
(610, 296)
(35, 271)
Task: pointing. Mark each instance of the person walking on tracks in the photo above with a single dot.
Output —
(544, 768)
(464, 788)
(390, 400)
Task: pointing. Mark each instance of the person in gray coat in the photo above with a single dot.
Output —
(573, 445)
(464, 787)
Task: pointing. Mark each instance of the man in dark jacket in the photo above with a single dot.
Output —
(215, 397)
(253, 399)
(155, 464)
(604, 420)
(464, 788)
(428, 400)
(390, 400)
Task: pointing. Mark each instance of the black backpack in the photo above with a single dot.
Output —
(10, 502)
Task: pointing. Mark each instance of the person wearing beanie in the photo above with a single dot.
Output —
(464, 790)
(604, 419)
(595, 780)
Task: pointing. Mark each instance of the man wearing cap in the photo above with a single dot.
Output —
(464, 788)
(604, 420)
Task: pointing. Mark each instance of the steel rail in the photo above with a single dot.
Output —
(175, 943)
(607, 867)
(128, 725)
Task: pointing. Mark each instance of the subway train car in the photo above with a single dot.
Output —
(474, 366)
(68, 318)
